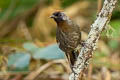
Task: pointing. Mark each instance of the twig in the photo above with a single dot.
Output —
(63, 62)
(90, 72)
(35, 73)
(99, 6)
(97, 27)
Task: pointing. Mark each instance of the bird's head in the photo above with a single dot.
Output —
(59, 16)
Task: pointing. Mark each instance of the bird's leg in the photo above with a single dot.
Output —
(77, 49)
(76, 53)
(82, 43)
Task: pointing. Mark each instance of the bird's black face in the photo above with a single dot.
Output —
(58, 16)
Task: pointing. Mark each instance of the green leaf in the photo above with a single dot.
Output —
(113, 44)
(116, 25)
(30, 47)
(19, 60)
(51, 52)
(48, 53)
(99, 54)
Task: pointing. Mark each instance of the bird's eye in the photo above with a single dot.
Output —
(59, 15)
(56, 14)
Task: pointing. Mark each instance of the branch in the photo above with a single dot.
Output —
(97, 27)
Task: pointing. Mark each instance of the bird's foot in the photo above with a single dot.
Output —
(82, 43)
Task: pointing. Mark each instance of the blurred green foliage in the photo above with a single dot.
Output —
(66, 3)
(9, 40)
(20, 6)
(4, 3)
(116, 26)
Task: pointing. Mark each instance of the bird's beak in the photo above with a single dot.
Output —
(52, 16)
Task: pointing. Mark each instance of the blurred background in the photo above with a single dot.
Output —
(28, 49)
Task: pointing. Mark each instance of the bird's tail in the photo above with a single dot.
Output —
(72, 57)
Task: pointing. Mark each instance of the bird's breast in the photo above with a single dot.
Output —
(66, 40)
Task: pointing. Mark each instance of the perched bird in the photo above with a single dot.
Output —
(68, 35)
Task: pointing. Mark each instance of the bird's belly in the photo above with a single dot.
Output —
(67, 43)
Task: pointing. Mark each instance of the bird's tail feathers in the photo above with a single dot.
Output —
(72, 57)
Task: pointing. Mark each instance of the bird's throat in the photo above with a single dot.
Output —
(64, 26)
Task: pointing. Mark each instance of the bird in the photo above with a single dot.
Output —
(68, 36)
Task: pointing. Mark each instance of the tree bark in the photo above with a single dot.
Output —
(89, 46)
